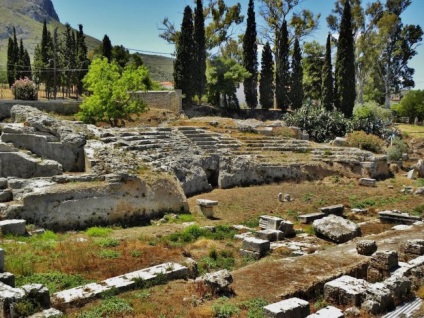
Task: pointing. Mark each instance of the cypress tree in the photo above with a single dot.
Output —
(27, 65)
(184, 61)
(296, 92)
(200, 47)
(46, 50)
(107, 48)
(266, 85)
(82, 61)
(327, 80)
(10, 63)
(20, 61)
(345, 65)
(250, 58)
(282, 76)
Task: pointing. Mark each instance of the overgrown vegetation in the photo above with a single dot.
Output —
(362, 140)
(54, 281)
(194, 232)
(25, 89)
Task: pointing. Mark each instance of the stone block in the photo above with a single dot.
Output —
(250, 254)
(400, 287)
(397, 217)
(205, 202)
(256, 245)
(367, 182)
(8, 296)
(415, 247)
(14, 227)
(328, 312)
(384, 260)
(287, 228)
(1, 260)
(38, 294)
(267, 222)
(310, 217)
(375, 275)
(207, 211)
(7, 279)
(48, 313)
(337, 209)
(346, 290)
(336, 229)
(366, 247)
(270, 235)
(3, 183)
(289, 308)
(378, 299)
(412, 174)
(218, 281)
(6, 195)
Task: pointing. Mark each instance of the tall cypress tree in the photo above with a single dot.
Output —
(327, 79)
(11, 61)
(266, 85)
(82, 61)
(282, 74)
(107, 48)
(250, 58)
(200, 47)
(296, 91)
(27, 65)
(345, 64)
(184, 61)
(46, 50)
(20, 61)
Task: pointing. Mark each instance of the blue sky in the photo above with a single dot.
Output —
(134, 23)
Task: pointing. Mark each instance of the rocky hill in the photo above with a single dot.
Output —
(27, 17)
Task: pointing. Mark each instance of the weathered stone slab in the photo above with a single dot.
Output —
(267, 222)
(397, 217)
(8, 279)
(289, 308)
(310, 217)
(270, 235)
(250, 254)
(366, 247)
(38, 293)
(384, 260)
(346, 290)
(337, 209)
(48, 313)
(14, 227)
(256, 245)
(415, 247)
(287, 228)
(367, 182)
(378, 299)
(398, 286)
(328, 312)
(6, 195)
(8, 296)
(206, 203)
(206, 207)
(121, 283)
(218, 281)
(336, 229)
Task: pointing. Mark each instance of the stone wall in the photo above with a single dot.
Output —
(171, 100)
(60, 107)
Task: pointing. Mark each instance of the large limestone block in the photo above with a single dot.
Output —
(14, 227)
(366, 247)
(346, 290)
(256, 245)
(328, 312)
(289, 308)
(218, 281)
(415, 247)
(384, 260)
(21, 165)
(378, 299)
(336, 229)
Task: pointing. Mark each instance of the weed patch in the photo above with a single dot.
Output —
(111, 307)
(98, 231)
(54, 281)
(109, 254)
(216, 260)
(223, 309)
(254, 307)
(108, 242)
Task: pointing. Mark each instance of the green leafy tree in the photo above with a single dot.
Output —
(266, 86)
(412, 106)
(296, 91)
(185, 59)
(224, 75)
(282, 76)
(327, 78)
(313, 61)
(397, 44)
(250, 58)
(120, 55)
(109, 87)
(345, 93)
(199, 38)
(107, 48)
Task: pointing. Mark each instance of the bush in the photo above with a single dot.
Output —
(223, 309)
(395, 151)
(362, 140)
(321, 125)
(25, 89)
(371, 118)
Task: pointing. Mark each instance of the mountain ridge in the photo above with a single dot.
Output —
(27, 17)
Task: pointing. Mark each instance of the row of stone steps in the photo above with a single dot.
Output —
(209, 141)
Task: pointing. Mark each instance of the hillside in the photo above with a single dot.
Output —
(27, 17)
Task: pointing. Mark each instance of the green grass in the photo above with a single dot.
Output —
(109, 254)
(108, 242)
(223, 309)
(194, 232)
(53, 281)
(216, 260)
(110, 307)
(98, 231)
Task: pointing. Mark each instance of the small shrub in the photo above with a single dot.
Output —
(223, 309)
(54, 281)
(394, 154)
(371, 118)
(25, 89)
(26, 307)
(108, 242)
(98, 231)
(362, 140)
(111, 307)
(418, 210)
(400, 144)
(109, 254)
(216, 260)
(254, 307)
(320, 303)
(420, 182)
